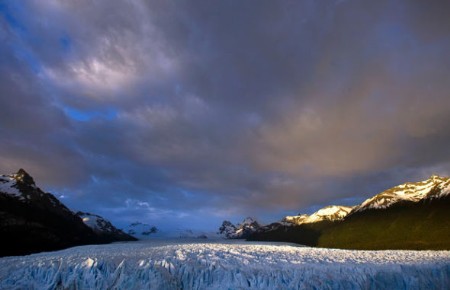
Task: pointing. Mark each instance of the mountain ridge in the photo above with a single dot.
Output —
(413, 215)
(433, 187)
(331, 213)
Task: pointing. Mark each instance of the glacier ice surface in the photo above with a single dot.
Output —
(224, 264)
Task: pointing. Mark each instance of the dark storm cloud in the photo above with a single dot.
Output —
(202, 110)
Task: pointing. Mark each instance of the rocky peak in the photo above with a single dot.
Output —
(24, 177)
(227, 228)
(436, 178)
(249, 221)
(241, 231)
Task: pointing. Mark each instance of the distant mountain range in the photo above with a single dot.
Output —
(144, 231)
(141, 231)
(34, 221)
(414, 215)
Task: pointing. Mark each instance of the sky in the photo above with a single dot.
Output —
(182, 114)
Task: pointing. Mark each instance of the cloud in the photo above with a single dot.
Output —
(203, 110)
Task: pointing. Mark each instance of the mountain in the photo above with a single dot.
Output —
(414, 215)
(328, 213)
(227, 230)
(433, 188)
(32, 220)
(103, 228)
(141, 230)
(241, 231)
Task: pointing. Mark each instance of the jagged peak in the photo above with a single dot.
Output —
(249, 221)
(411, 185)
(435, 177)
(24, 177)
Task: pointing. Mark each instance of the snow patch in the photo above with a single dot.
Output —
(88, 263)
(7, 185)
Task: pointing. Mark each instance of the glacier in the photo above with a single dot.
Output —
(224, 264)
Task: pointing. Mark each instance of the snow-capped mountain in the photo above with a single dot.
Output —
(414, 215)
(227, 229)
(433, 188)
(241, 231)
(21, 187)
(104, 228)
(32, 220)
(141, 230)
(8, 185)
(328, 213)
